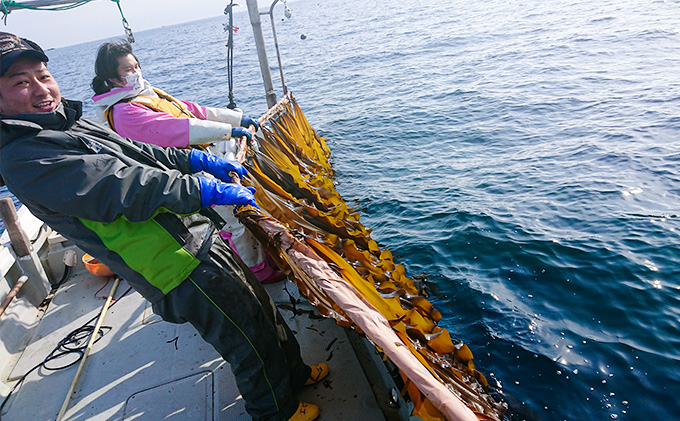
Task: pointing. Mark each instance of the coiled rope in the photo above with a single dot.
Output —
(73, 343)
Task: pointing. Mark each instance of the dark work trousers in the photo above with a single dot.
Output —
(231, 310)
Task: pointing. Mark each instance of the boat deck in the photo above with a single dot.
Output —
(146, 369)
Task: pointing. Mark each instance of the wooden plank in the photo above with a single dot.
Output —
(19, 239)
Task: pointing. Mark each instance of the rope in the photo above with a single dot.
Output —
(11, 3)
(86, 353)
(126, 25)
(229, 27)
(71, 344)
(6, 4)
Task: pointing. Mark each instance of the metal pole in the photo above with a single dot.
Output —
(276, 44)
(255, 22)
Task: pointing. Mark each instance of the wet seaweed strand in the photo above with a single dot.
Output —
(294, 181)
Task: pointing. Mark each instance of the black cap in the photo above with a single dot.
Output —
(12, 47)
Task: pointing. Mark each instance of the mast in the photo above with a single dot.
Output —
(256, 23)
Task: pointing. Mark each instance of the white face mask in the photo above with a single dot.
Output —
(134, 79)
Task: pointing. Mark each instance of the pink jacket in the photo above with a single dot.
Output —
(137, 122)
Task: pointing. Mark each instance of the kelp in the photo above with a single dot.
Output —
(314, 237)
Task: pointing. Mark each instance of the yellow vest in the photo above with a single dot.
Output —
(164, 103)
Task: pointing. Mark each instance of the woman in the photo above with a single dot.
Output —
(136, 110)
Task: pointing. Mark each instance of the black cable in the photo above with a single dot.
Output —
(74, 342)
(64, 276)
(230, 53)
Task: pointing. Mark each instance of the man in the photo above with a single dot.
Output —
(135, 208)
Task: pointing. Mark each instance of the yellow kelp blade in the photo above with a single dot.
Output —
(320, 243)
(312, 271)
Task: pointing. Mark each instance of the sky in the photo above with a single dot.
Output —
(101, 19)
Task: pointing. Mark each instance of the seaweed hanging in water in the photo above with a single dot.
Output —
(318, 242)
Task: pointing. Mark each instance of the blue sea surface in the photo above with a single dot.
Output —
(520, 156)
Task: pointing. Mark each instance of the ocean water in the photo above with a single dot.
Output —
(519, 156)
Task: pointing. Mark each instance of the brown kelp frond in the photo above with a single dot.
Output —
(320, 243)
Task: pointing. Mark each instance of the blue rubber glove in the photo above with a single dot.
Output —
(239, 132)
(247, 121)
(215, 193)
(220, 168)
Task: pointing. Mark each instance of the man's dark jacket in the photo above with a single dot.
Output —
(131, 205)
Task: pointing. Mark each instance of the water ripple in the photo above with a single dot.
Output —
(520, 157)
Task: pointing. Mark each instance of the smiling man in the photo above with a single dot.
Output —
(26, 63)
(139, 209)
